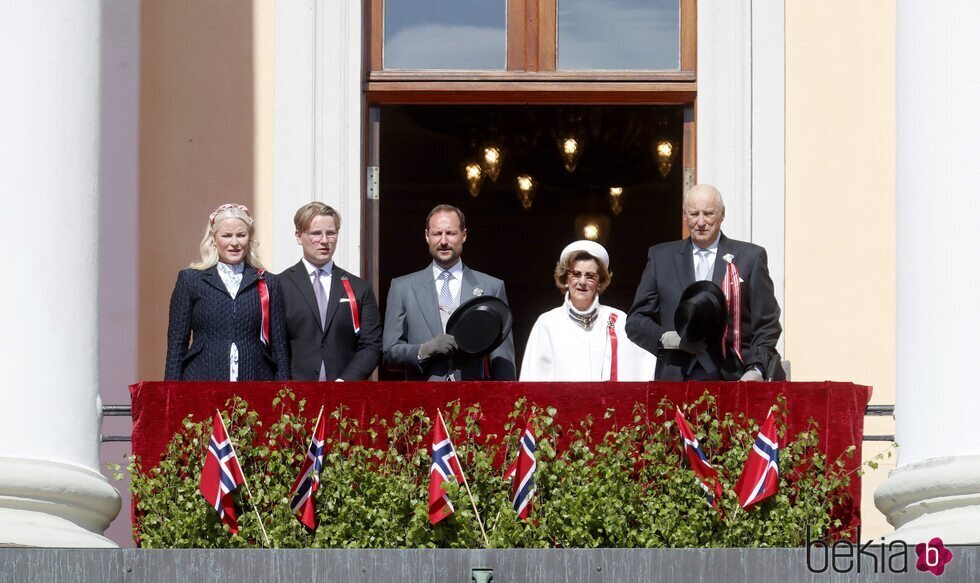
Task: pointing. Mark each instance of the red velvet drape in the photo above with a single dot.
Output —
(159, 407)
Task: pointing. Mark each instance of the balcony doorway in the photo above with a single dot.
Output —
(619, 181)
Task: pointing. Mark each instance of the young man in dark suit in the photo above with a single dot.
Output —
(332, 317)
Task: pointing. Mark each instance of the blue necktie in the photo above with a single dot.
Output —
(445, 295)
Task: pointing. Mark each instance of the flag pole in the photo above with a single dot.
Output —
(470, 494)
(265, 536)
(316, 426)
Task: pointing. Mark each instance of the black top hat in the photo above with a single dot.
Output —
(480, 325)
(702, 312)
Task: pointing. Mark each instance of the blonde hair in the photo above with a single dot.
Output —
(305, 214)
(563, 268)
(209, 253)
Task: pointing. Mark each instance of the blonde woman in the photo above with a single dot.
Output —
(227, 321)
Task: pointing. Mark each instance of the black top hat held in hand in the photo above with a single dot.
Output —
(702, 313)
(480, 325)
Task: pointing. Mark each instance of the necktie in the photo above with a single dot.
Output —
(446, 295)
(321, 296)
(321, 304)
(702, 270)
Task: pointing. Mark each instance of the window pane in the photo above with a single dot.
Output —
(619, 34)
(445, 34)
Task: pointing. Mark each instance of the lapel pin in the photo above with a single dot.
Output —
(478, 291)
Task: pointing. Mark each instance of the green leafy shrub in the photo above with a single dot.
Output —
(626, 488)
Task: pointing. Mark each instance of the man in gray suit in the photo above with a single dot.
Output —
(420, 303)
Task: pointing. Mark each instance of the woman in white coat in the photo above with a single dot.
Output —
(582, 340)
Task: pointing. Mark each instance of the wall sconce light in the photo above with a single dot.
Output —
(526, 189)
(571, 149)
(491, 159)
(593, 227)
(665, 156)
(474, 178)
(616, 199)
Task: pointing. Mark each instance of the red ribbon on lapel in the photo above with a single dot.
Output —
(354, 315)
(264, 299)
(733, 297)
(614, 346)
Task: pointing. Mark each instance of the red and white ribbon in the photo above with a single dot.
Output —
(354, 314)
(614, 347)
(264, 299)
(733, 297)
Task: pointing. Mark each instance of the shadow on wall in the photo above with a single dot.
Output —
(177, 141)
(196, 144)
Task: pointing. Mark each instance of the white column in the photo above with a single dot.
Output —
(935, 490)
(724, 113)
(741, 121)
(318, 121)
(51, 492)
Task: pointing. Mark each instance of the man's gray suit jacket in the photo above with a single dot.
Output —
(412, 318)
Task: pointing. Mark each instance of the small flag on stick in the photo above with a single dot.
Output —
(221, 474)
(445, 466)
(524, 468)
(707, 475)
(302, 499)
(760, 477)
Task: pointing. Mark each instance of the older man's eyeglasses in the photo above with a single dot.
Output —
(317, 236)
(590, 276)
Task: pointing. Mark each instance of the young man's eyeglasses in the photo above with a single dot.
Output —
(317, 236)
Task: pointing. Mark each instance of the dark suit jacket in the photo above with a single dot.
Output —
(412, 317)
(669, 270)
(345, 355)
(201, 307)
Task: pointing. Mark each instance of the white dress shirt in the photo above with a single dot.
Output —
(712, 254)
(325, 277)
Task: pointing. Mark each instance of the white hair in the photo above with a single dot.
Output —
(698, 187)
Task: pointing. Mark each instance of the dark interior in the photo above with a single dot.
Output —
(424, 150)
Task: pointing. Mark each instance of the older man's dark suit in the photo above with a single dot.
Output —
(345, 355)
(669, 270)
(202, 307)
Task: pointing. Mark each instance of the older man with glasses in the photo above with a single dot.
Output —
(332, 317)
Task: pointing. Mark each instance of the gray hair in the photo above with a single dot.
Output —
(699, 187)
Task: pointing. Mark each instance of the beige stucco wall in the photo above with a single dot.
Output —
(197, 136)
(263, 114)
(840, 204)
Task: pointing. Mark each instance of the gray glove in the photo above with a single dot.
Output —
(672, 341)
(441, 344)
(752, 375)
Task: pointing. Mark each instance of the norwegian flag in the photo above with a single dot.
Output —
(760, 477)
(302, 501)
(523, 474)
(445, 466)
(707, 475)
(221, 475)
